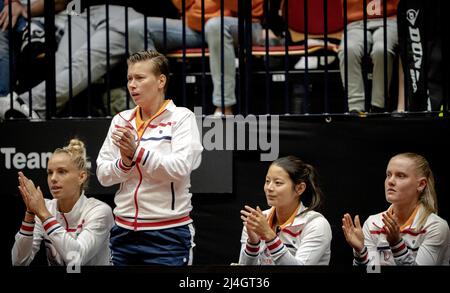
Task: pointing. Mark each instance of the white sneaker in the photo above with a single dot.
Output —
(19, 108)
(218, 114)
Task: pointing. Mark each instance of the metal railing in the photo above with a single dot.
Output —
(248, 74)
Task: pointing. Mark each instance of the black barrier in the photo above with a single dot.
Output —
(232, 278)
(351, 158)
(350, 153)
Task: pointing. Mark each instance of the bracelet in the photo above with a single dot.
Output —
(128, 166)
(253, 244)
(30, 213)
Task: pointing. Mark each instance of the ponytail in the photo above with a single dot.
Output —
(301, 172)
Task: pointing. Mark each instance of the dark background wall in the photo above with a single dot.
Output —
(350, 153)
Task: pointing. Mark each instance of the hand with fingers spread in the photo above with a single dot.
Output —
(256, 223)
(353, 232)
(123, 138)
(391, 227)
(17, 10)
(33, 197)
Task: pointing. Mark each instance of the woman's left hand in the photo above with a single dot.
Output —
(391, 227)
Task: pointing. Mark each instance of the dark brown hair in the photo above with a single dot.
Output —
(299, 172)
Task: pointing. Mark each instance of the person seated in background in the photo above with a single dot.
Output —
(79, 61)
(213, 31)
(375, 47)
(74, 228)
(194, 40)
(289, 233)
(20, 27)
(409, 232)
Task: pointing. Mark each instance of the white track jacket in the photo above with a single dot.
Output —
(78, 237)
(427, 245)
(306, 241)
(154, 191)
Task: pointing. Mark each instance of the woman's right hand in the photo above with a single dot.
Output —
(256, 222)
(353, 232)
(33, 197)
(252, 236)
(123, 138)
(23, 191)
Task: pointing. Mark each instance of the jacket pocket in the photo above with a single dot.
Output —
(173, 195)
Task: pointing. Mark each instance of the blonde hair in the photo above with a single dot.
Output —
(428, 197)
(77, 152)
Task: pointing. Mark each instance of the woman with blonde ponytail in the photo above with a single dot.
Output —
(410, 232)
(74, 228)
(289, 233)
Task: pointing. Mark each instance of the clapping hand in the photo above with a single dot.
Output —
(353, 232)
(256, 223)
(123, 138)
(32, 196)
(391, 227)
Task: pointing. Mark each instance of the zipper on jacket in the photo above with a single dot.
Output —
(136, 202)
(173, 195)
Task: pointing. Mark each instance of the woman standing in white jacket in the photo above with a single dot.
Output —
(74, 228)
(289, 233)
(150, 151)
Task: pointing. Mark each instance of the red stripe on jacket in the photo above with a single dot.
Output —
(152, 224)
